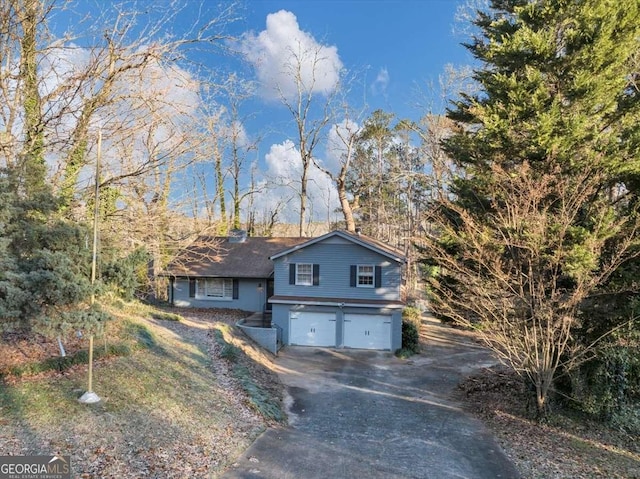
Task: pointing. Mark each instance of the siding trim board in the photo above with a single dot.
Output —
(340, 302)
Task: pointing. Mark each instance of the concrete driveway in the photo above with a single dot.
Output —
(366, 414)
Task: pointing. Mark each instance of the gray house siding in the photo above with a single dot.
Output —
(281, 319)
(335, 260)
(252, 296)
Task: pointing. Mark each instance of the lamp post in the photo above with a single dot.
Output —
(90, 397)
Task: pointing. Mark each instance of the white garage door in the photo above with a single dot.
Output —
(312, 329)
(367, 331)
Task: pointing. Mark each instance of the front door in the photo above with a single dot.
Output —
(269, 293)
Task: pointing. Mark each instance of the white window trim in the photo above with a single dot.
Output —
(299, 282)
(227, 289)
(360, 274)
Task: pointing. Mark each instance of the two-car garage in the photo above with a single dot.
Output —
(357, 330)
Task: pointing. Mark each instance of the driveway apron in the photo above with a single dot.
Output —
(368, 414)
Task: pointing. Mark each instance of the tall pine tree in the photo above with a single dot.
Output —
(544, 207)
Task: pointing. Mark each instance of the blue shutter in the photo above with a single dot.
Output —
(235, 289)
(316, 274)
(192, 288)
(378, 276)
(352, 277)
(292, 273)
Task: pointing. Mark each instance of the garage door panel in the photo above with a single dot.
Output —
(312, 329)
(367, 331)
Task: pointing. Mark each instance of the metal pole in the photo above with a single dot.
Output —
(91, 363)
(96, 213)
(90, 396)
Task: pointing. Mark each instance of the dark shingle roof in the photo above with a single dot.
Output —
(217, 257)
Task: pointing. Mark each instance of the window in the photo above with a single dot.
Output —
(304, 274)
(214, 288)
(365, 276)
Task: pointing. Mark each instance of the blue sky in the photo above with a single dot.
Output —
(412, 40)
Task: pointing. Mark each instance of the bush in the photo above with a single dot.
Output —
(411, 326)
(126, 275)
(165, 316)
(413, 315)
(610, 383)
(410, 338)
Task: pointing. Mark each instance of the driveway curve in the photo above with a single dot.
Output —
(368, 414)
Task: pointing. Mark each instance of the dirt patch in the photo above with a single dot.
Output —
(18, 348)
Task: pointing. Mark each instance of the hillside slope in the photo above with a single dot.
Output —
(182, 400)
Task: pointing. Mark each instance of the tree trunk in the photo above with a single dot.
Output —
(220, 188)
(33, 165)
(347, 211)
(303, 195)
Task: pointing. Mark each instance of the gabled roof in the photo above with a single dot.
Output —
(356, 238)
(217, 257)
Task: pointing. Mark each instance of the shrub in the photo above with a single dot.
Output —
(126, 275)
(610, 384)
(410, 338)
(165, 316)
(414, 315)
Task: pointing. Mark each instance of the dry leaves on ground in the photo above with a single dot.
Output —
(564, 447)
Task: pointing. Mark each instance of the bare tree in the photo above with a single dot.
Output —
(309, 126)
(56, 94)
(519, 275)
(346, 136)
(238, 145)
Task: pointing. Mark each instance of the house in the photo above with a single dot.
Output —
(232, 272)
(340, 289)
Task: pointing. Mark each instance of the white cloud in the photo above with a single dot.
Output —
(381, 83)
(283, 171)
(237, 130)
(282, 50)
(337, 143)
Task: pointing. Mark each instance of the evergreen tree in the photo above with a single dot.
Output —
(544, 209)
(45, 264)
